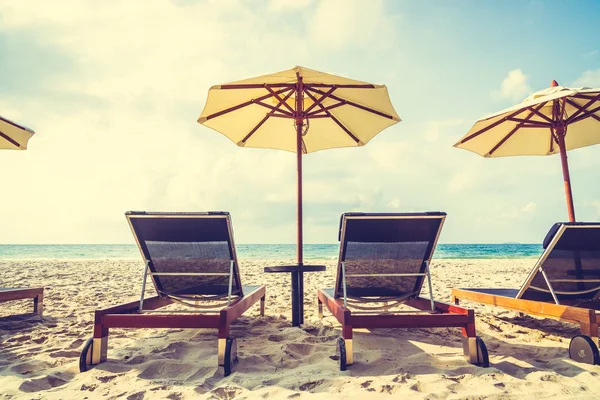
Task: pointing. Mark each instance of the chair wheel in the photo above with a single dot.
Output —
(341, 353)
(583, 349)
(483, 359)
(85, 358)
(231, 358)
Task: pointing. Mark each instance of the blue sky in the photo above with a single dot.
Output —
(113, 90)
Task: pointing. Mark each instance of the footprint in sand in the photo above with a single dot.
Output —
(40, 340)
(226, 392)
(106, 378)
(201, 374)
(136, 396)
(299, 350)
(309, 386)
(39, 384)
(276, 338)
(366, 384)
(65, 354)
(550, 378)
(389, 389)
(161, 369)
(19, 339)
(29, 367)
(77, 344)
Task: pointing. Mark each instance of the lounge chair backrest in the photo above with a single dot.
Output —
(571, 263)
(189, 254)
(382, 253)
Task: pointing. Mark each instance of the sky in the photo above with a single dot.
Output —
(113, 90)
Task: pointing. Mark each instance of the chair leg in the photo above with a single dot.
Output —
(223, 333)
(347, 335)
(100, 344)
(455, 300)
(262, 306)
(38, 304)
(470, 339)
(320, 305)
(590, 329)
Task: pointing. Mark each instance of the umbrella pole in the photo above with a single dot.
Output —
(299, 209)
(566, 176)
(298, 278)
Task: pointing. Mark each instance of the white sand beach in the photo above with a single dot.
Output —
(39, 355)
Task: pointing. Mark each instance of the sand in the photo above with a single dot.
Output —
(39, 355)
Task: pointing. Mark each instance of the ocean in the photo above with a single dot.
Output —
(255, 251)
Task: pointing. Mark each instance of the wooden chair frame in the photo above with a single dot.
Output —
(426, 313)
(147, 313)
(586, 313)
(37, 294)
(586, 318)
(127, 316)
(444, 315)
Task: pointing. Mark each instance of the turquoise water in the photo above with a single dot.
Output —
(255, 251)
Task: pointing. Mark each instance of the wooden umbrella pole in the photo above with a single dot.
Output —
(297, 276)
(299, 123)
(560, 133)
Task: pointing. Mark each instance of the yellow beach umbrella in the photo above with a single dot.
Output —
(13, 136)
(550, 121)
(299, 110)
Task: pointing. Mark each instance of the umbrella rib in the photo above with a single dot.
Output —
(326, 85)
(334, 119)
(539, 114)
(318, 113)
(279, 98)
(525, 123)
(584, 113)
(585, 96)
(269, 114)
(553, 139)
(273, 108)
(491, 126)
(353, 104)
(314, 104)
(516, 128)
(16, 125)
(9, 139)
(257, 86)
(242, 105)
(581, 109)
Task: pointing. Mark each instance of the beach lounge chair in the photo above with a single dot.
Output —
(191, 260)
(383, 262)
(37, 294)
(564, 284)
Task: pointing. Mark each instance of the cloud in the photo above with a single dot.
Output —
(289, 5)
(435, 129)
(113, 91)
(461, 181)
(523, 212)
(529, 208)
(590, 78)
(514, 87)
(591, 53)
(337, 24)
(116, 119)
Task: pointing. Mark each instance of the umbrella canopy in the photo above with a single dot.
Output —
(547, 122)
(13, 136)
(337, 111)
(299, 110)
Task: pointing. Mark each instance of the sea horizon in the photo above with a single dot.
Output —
(312, 251)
